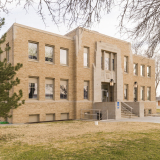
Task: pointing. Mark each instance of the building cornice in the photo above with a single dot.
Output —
(42, 31)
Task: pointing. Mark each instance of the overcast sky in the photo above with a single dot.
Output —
(107, 26)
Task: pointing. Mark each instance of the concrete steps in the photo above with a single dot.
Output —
(126, 114)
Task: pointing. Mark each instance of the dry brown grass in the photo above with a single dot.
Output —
(59, 131)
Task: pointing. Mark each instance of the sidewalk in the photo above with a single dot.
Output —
(144, 119)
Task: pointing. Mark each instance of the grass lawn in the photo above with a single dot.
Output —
(80, 140)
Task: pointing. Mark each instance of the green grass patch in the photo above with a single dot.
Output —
(91, 146)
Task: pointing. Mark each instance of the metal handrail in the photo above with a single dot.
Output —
(127, 106)
(126, 109)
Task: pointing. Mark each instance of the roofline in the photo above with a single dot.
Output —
(39, 30)
(95, 32)
(143, 57)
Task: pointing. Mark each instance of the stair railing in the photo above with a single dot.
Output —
(127, 108)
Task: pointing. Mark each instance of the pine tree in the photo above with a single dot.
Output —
(7, 82)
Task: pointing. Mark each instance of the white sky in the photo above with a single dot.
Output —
(107, 26)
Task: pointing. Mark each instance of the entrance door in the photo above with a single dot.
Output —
(104, 95)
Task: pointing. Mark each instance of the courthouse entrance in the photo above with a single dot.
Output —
(107, 92)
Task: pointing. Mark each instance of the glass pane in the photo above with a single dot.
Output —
(33, 90)
(85, 59)
(63, 56)
(63, 91)
(113, 64)
(85, 92)
(32, 51)
(107, 63)
(125, 64)
(48, 53)
(125, 91)
(49, 91)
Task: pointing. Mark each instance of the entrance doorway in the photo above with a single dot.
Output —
(107, 92)
(104, 95)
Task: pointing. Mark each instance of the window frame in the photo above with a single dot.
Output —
(142, 95)
(67, 59)
(85, 81)
(87, 57)
(142, 72)
(37, 79)
(149, 71)
(135, 74)
(126, 68)
(108, 59)
(67, 88)
(149, 99)
(53, 56)
(126, 98)
(51, 79)
(29, 59)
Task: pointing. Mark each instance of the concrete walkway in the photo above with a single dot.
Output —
(144, 119)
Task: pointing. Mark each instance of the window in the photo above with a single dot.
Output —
(148, 93)
(33, 51)
(64, 116)
(126, 91)
(107, 64)
(149, 111)
(7, 52)
(85, 90)
(63, 89)
(135, 69)
(113, 62)
(33, 88)
(85, 57)
(48, 54)
(102, 60)
(142, 93)
(49, 89)
(126, 64)
(135, 94)
(148, 71)
(142, 70)
(63, 56)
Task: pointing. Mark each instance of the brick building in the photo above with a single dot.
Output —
(62, 75)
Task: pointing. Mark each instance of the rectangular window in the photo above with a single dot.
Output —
(33, 88)
(63, 56)
(33, 51)
(63, 89)
(148, 71)
(149, 93)
(135, 69)
(49, 89)
(142, 70)
(142, 93)
(126, 64)
(126, 91)
(85, 57)
(48, 54)
(113, 62)
(135, 94)
(7, 52)
(107, 64)
(102, 60)
(85, 90)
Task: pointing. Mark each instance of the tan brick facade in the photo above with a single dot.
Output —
(18, 37)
